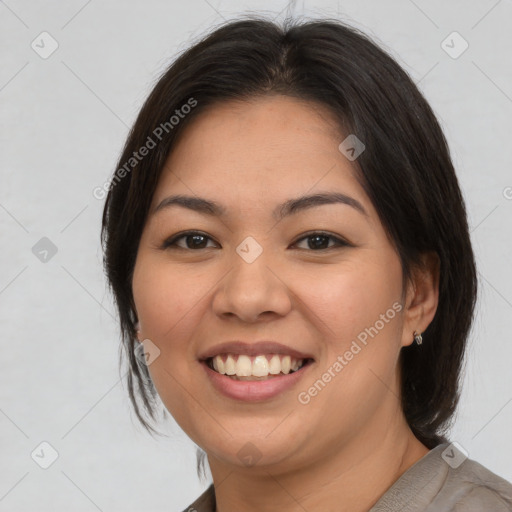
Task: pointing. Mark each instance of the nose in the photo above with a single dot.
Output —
(252, 290)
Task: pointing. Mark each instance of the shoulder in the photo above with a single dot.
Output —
(447, 480)
(205, 502)
(482, 499)
(475, 488)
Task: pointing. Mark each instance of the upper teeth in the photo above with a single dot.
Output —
(257, 366)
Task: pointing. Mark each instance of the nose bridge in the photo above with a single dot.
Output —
(253, 285)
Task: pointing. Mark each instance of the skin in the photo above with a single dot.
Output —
(350, 443)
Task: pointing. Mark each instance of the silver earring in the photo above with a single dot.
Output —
(417, 338)
(137, 332)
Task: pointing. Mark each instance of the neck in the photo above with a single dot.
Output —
(350, 478)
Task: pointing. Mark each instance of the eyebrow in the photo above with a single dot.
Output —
(289, 207)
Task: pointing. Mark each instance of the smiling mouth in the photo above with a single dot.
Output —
(260, 367)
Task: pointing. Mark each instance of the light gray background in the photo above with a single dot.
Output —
(64, 120)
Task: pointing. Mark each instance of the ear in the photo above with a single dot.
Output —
(422, 297)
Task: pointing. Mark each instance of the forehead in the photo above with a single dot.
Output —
(261, 152)
(273, 120)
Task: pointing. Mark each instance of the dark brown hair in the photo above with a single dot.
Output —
(406, 171)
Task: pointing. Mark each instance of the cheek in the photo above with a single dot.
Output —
(357, 310)
(162, 297)
(345, 302)
(165, 307)
(168, 309)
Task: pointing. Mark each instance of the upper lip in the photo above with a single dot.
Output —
(252, 349)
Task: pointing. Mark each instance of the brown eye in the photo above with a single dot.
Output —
(192, 240)
(320, 241)
(195, 240)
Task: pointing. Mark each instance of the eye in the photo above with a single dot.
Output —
(319, 239)
(197, 240)
(193, 240)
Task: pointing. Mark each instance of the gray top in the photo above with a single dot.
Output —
(444, 480)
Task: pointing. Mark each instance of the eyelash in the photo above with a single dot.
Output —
(169, 243)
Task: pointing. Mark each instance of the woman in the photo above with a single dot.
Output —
(288, 248)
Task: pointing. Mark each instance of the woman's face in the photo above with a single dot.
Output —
(260, 272)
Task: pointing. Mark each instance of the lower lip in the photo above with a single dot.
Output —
(253, 390)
